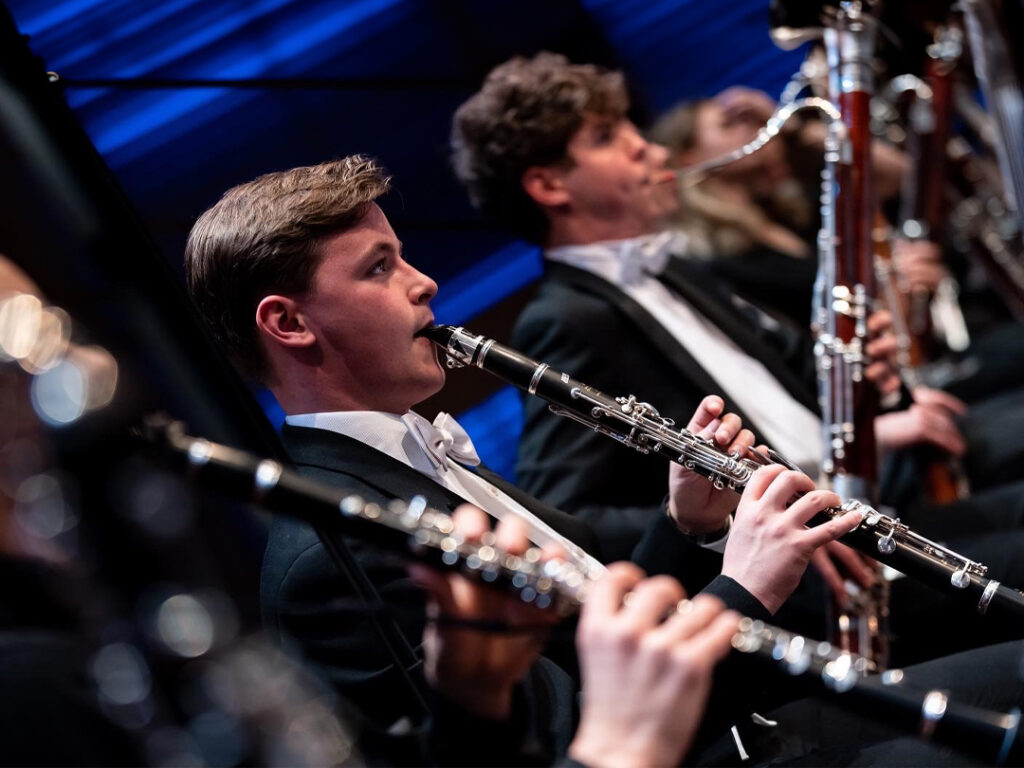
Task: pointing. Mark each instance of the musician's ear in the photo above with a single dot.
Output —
(281, 321)
(544, 184)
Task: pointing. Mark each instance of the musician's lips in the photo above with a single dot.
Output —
(420, 333)
(657, 178)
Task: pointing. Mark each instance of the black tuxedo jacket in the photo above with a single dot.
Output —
(309, 608)
(581, 324)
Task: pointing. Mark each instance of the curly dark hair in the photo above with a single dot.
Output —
(264, 237)
(524, 115)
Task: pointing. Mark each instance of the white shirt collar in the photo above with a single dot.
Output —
(425, 446)
(392, 434)
(623, 262)
(386, 432)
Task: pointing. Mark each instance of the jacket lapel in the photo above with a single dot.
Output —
(342, 455)
(650, 328)
(703, 292)
(345, 456)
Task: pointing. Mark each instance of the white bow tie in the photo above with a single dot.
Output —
(648, 255)
(442, 441)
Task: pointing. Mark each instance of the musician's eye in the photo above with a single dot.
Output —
(604, 133)
(379, 268)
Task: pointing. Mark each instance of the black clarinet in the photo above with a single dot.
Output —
(421, 534)
(640, 426)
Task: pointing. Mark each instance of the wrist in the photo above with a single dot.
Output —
(595, 751)
(703, 532)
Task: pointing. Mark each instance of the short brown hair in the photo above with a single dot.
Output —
(263, 237)
(524, 115)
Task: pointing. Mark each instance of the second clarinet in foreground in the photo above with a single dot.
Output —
(640, 426)
(418, 533)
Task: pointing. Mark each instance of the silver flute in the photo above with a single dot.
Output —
(422, 534)
(640, 426)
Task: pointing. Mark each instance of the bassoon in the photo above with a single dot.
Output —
(844, 292)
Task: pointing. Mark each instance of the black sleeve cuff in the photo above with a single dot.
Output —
(665, 550)
(737, 598)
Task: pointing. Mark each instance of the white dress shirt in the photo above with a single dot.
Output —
(407, 438)
(630, 265)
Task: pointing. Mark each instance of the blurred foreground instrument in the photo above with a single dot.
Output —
(426, 535)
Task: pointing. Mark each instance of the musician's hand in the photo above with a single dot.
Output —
(476, 668)
(693, 503)
(923, 423)
(919, 264)
(769, 546)
(836, 563)
(882, 349)
(939, 400)
(645, 680)
(890, 165)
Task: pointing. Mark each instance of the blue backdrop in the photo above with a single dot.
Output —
(185, 98)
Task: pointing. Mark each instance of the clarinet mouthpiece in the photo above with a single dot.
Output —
(439, 334)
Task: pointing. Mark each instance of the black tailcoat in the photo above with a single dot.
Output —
(309, 608)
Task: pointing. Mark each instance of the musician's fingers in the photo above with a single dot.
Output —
(833, 529)
(879, 320)
(943, 432)
(882, 347)
(937, 398)
(763, 450)
(761, 480)
(553, 551)
(690, 618)
(715, 641)
(876, 371)
(883, 377)
(807, 506)
(437, 585)
(950, 441)
(512, 536)
(709, 410)
(730, 427)
(785, 486)
(709, 431)
(889, 384)
(652, 599)
(853, 564)
(829, 573)
(742, 444)
(605, 597)
(472, 522)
